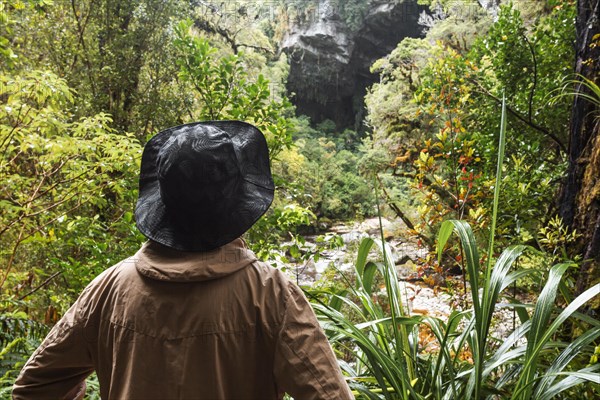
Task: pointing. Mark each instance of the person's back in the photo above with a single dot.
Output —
(173, 324)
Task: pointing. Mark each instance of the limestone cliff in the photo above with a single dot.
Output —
(331, 53)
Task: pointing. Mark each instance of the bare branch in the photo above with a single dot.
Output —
(524, 119)
(47, 281)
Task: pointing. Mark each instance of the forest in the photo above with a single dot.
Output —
(476, 132)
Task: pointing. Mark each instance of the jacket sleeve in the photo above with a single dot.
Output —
(59, 366)
(305, 366)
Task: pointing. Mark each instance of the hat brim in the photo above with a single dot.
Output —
(251, 200)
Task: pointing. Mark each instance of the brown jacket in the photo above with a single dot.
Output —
(171, 325)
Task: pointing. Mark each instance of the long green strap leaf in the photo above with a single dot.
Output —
(540, 333)
(539, 324)
(499, 164)
(565, 357)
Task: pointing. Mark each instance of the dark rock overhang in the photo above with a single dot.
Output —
(330, 62)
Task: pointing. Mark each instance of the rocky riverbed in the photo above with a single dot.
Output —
(421, 298)
(418, 297)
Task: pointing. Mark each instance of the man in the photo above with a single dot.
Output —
(194, 314)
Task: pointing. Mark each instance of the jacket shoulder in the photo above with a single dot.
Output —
(286, 290)
(271, 276)
(98, 288)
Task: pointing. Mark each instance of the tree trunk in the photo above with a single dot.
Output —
(580, 198)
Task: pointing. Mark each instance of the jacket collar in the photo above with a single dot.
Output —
(162, 263)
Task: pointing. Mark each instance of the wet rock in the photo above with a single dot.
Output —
(422, 300)
(331, 55)
(406, 271)
(408, 250)
(353, 237)
(371, 226)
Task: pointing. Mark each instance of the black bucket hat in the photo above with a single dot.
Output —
(203, 184)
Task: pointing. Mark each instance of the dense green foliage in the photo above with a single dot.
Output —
(435, 115)
(328, 172)
(84, 84)
(59, 175)
(387, 353)
(69, 162)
